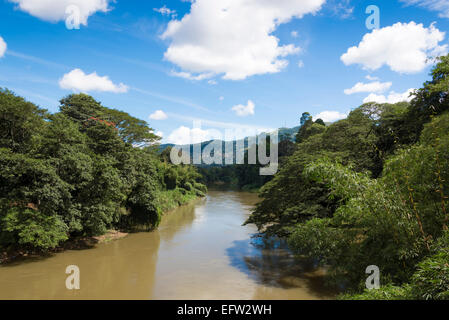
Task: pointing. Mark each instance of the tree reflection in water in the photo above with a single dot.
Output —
(269, 262)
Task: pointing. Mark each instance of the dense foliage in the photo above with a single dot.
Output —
(371, 190)
(247, 176)
(81, 172)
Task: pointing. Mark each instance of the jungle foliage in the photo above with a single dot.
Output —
(81, 172)
(371, 189)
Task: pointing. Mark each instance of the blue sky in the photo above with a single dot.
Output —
(230, 63)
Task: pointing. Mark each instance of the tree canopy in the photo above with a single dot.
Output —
(80, 172)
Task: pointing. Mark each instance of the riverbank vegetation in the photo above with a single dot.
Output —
(81, 172)
(371, 189)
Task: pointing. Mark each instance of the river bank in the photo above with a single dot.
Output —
(168, 203)
(222, 186)
(79, 243)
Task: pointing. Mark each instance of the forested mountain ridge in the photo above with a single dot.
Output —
(371, 189)
(242, 176)
(244, 144)
(80, 172)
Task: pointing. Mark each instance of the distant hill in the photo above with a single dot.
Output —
(284, 133)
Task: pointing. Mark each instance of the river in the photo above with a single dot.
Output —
(200, 251)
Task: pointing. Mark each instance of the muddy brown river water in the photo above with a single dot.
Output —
(200, 251)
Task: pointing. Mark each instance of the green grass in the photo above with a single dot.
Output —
(171, 199)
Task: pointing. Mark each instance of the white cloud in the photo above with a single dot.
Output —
(393, 97)
(221, 98)
(158, 115)
(184, 135)
(3, 47)
(341, 8)
(189, 76)
(55, 10)
(243, 111)
(442, 6)
(371, 78)
(405, 48)
(165, 11)
(330, 116)
(294, 34)
(234, 37)
(77, 80)
(369, 87)
(300, 64)
(159, 134)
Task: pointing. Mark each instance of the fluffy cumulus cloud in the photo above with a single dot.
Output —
(55, 10)
(158, 115)
(78, 81)
(393, 97)
(405, 48)
(3, 47)
(369, 87)
(243, 111)
(234, 37)
(184, 135)
(441, 6)
(330, 116)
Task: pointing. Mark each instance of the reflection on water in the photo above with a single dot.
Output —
(200, 251)
(270, 263)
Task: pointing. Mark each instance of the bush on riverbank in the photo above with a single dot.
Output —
(81, 172)
(171, 199)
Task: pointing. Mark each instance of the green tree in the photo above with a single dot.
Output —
(20, 122)
(431, 99)
(305, 123)
(32, 195)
